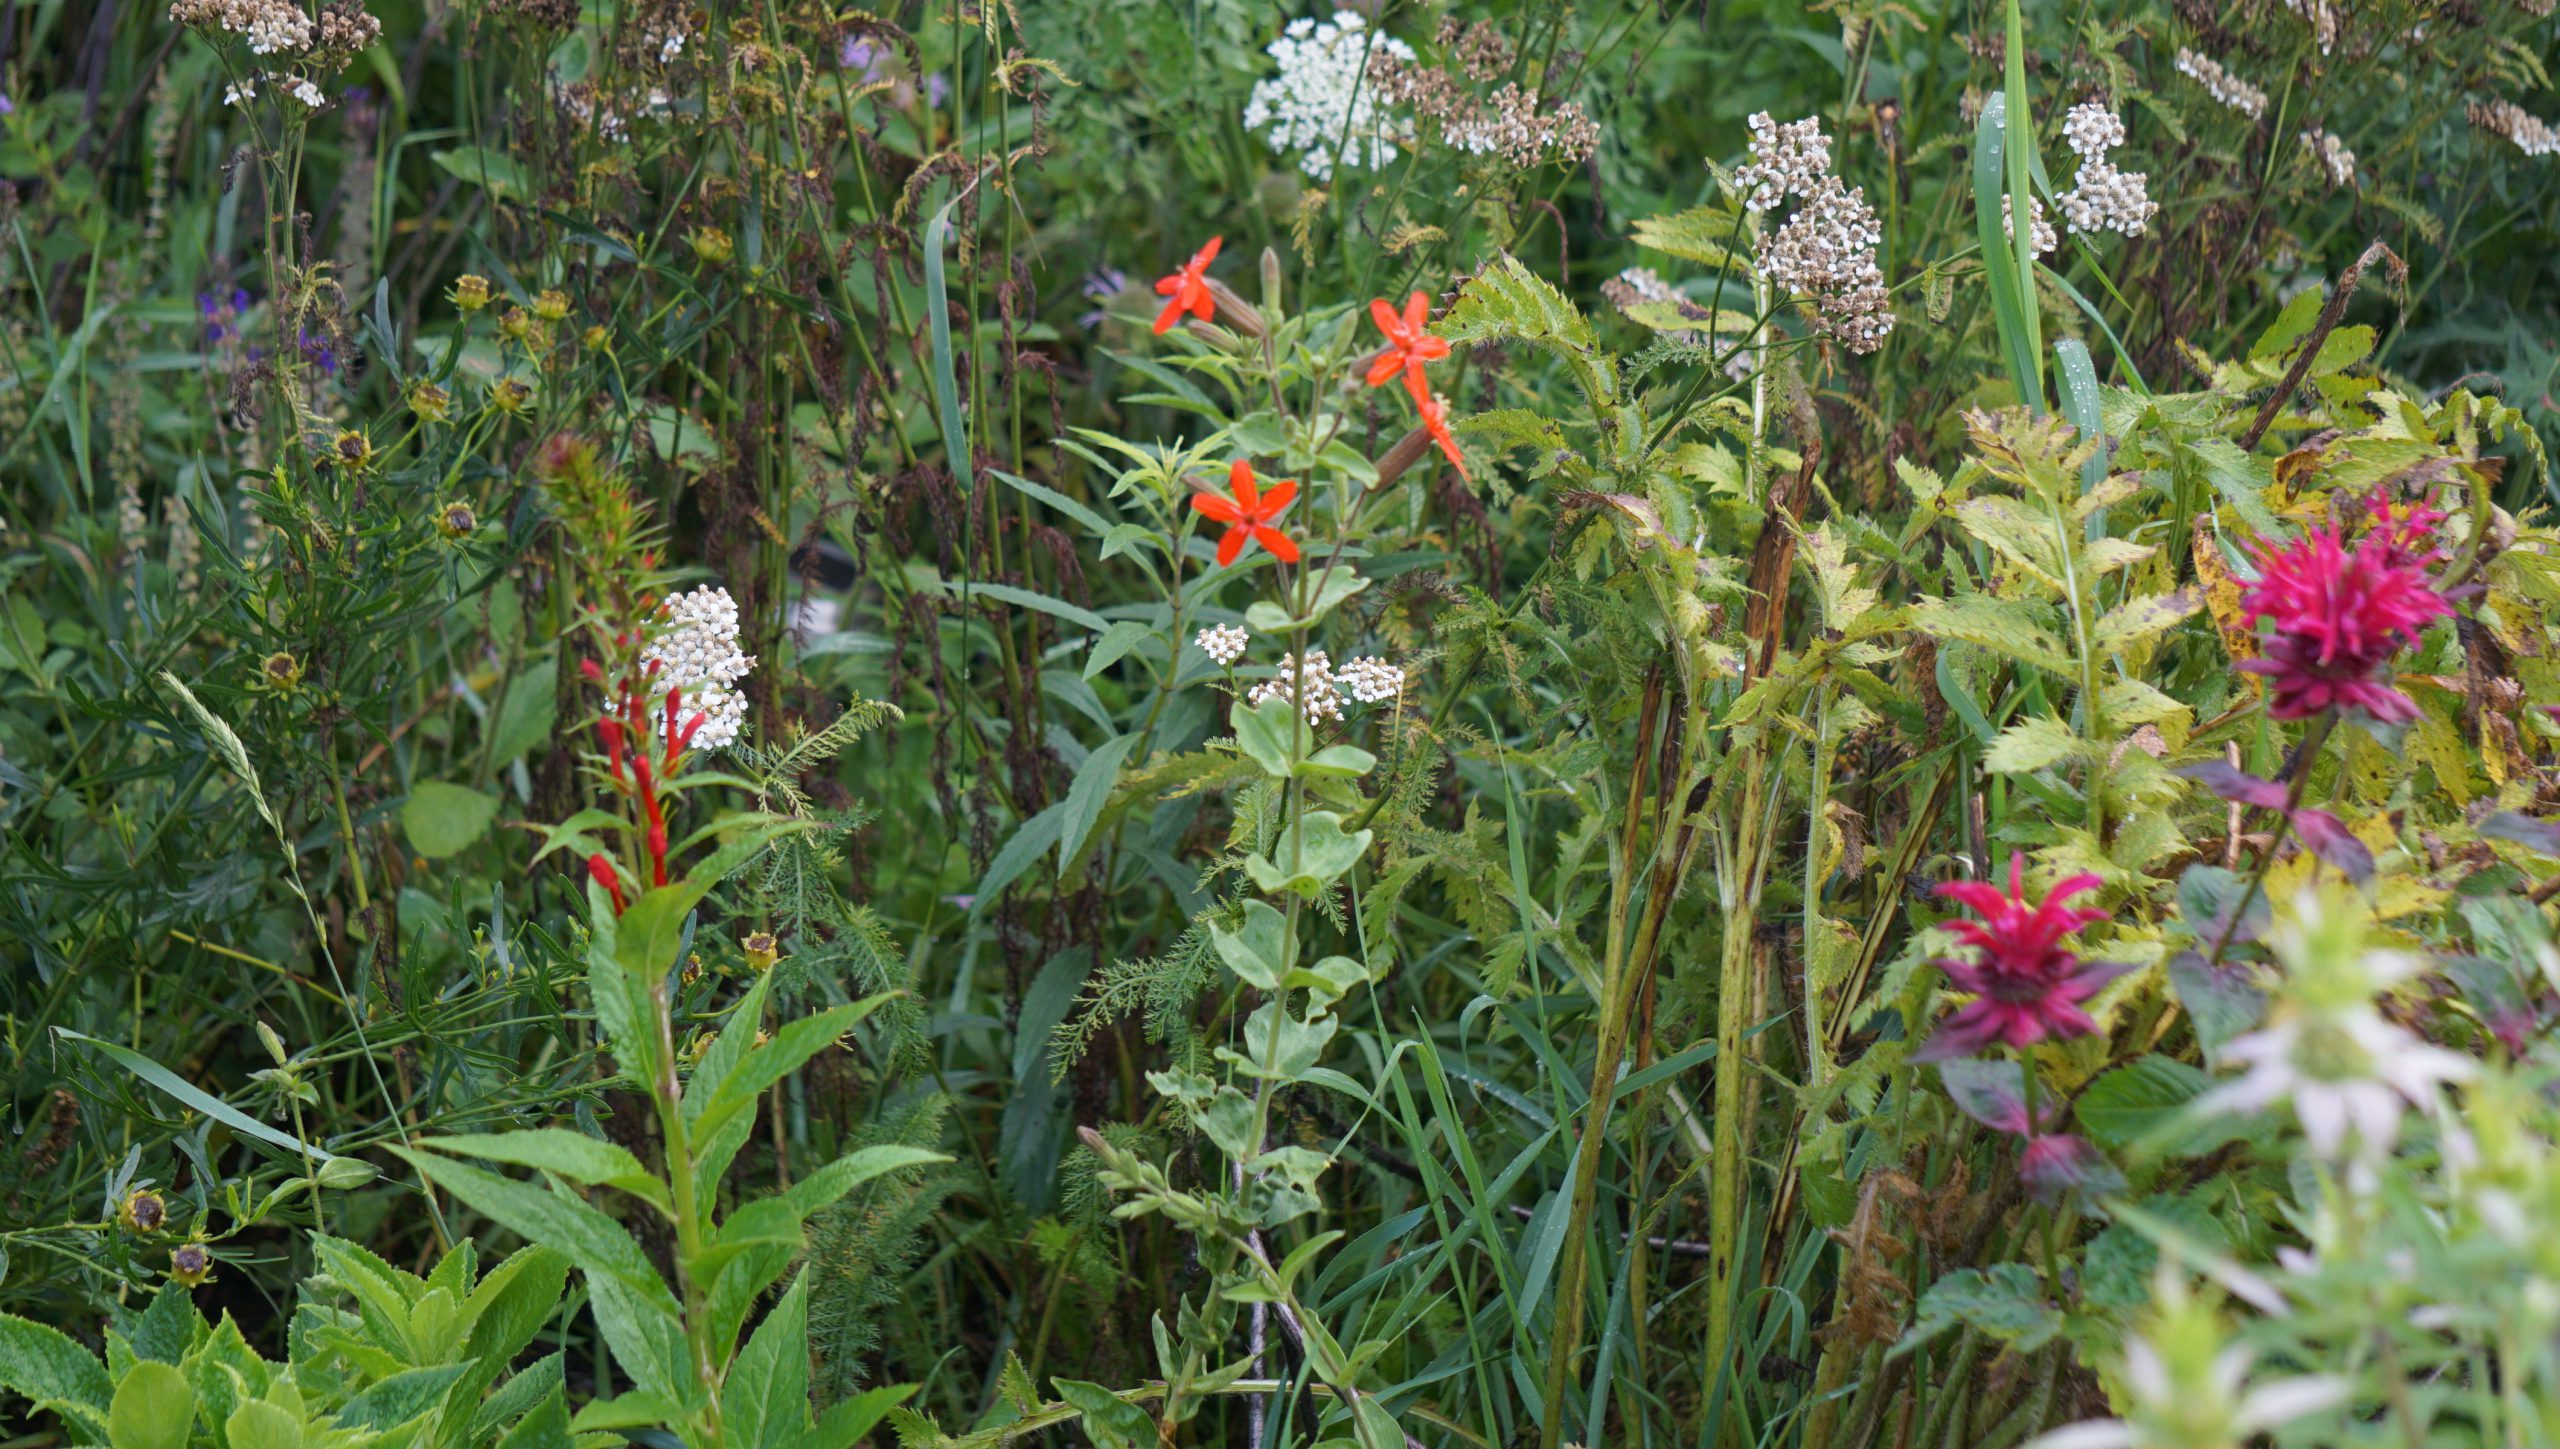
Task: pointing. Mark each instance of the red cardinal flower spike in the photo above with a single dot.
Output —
(1409, 348)
(2026, 987)
(1435, 418)
(1189, 289)
(1249, 514)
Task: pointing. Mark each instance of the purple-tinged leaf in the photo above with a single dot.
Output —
(2328, 838)
(2221, 1001)
(2207, 897)
(1993, 1093)
(2235, 784)
(2542, 837)
(2058, 1163)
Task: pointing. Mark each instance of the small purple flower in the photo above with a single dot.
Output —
(862, 53)
(222, 314)
(1101, 285)
(320, 351)
(936, 91)
(8, 107)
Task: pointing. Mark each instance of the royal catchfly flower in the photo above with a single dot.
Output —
(1410, 347)
(1435, 420)
(1188, 287)
(2026, 988)
(1249, 514)
(2340, 615)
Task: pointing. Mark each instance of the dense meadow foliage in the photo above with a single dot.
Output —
(1446, 724)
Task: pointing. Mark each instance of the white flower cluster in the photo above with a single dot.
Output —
(2531, 135)
(696, 650)
(2044, 239)
(1367, 680)
(2101, 197)
(2333, 156)
(244, 90)
(2221, 84)
(1319, 104)
(1825, 252)
(1785, 160)
(1371, 680)
(1224, 643)
(1322, 697)
(2323, 18)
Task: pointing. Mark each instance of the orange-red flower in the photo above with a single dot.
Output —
(1250, 514)
(1409, 348)
(1435, 417)
(1189, 289)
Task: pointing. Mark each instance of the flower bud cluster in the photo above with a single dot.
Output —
(2221, 84)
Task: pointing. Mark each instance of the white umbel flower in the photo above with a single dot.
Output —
(1371, 680)
(304, 91)
(240, 92)
(696, 651)
(1224, 643)
(2221, 84)
(1321, 697)
(1321, 104)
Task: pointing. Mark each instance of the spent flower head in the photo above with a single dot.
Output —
(1307, 681)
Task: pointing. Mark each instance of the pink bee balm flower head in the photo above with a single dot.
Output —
(2340, 615)
(2025, 986)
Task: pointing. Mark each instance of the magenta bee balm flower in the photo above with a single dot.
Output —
(2026, 987)
(2341, 615)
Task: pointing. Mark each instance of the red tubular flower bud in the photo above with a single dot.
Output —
(611, 729)
(682, 739)
(675, 699)
(600, 869)
(592, 670)
(658, 850)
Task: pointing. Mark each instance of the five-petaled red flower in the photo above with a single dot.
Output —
(2025, 986)
(1409, 348)
(1435, 418)
(1250, 514)
(2341, 615)
(1189, 289)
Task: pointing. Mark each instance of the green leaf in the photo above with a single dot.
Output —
(444, 819)
(1028, 599)
(1257, 951)
(854, 1169)
(258, 1424)
(2145, 1102)
(1116, 641)
(1089, 792)
(528, 712)
(154, 1408)
(1701, 234)
(2034, 743)
(1309, 855)
(1109, 1420)
(586, 1237)
(2004, 1301)
(1338, 762)
(1029, 841)
(1271, 734)
(210, 1105)
(482, 166)
(2135, 620)
(573, 1155)
(399, 1398)
(765, 1399)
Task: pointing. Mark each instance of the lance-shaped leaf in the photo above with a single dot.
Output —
(2235, 784)
(2542, 837)
(2135, 620)
(2328, 838)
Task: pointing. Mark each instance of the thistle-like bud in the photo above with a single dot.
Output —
(471, 291)
(143, 1211)
(430, 402)
(190, 1264)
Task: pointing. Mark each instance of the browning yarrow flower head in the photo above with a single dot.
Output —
(2026, 988)
(1223, 643)
(2102, 198)
(2043, 238)
(143, 1211)
(1825, 254)
(190, 1264)
(2091, 130)
(1249, 511)
(1187, 288)
(1308, 682)
(2531, 134)
(2340, 615)
(273, 27)
(1785, 160)
(1321, 105)
(2332, 155)
(695, 651)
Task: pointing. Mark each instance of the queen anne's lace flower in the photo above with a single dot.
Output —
(1371, 680)
(1319, 105)
(2221, 84)
(1224, 643)
(1321, 699)
(696, 651)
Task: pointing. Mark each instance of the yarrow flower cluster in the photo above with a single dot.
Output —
(272, 26)
(1224, 643)
(1509, 122)
(2333, 156)
(1824, 252)
(2226, 88)
(280, 28)
(2040, 230)
(2101, 197)
(1306, 682)
(2322, 18)
(2341, 615)
(1318, 104)
(1371, 680)
(695, 650)
(2531, 135)
(2026, 988)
